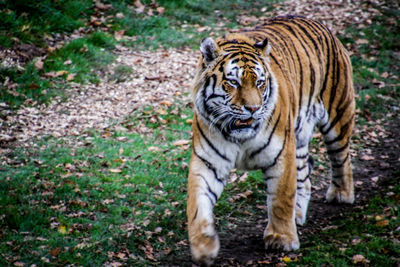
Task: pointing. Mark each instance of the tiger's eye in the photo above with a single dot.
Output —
(233, 83)
(260, 83)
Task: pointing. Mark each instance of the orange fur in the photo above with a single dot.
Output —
(256, 106)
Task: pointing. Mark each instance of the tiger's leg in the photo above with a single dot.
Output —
(304, 164)
(204, 188)
(281, 231)
(337, 142)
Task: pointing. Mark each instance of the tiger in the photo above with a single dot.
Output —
(258, 95)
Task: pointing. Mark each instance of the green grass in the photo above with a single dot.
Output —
(106, 194)
(375, 62)
(83, 58)
(80, 201)
(360, 232)
(28, 20)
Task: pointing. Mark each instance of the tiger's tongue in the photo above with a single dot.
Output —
(244, 122)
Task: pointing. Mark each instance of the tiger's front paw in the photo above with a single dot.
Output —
(205, 249)
(281, 241)
(204, 245)
(339, 194)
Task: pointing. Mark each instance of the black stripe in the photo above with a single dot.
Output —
(336, 78)
(302, 156)
(339, 114)
(254, 153)
(209, 188)
(234, 43)
(302, 167)
(209, 166)
(270, 87)
(264, 169)
(300, 194)
(328, 62)
(195, 214)
(209, 198)
(317, 31)
(303, 180)
(338, 150)
(343, 131)
(211, 144)
(335, 183)
(305, 31)
(340, 165)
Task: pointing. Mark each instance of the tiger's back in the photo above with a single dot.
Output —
(258, 96)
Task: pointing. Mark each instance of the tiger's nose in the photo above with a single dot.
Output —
(251, 109)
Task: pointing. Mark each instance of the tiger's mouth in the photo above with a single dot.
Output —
(241, 124)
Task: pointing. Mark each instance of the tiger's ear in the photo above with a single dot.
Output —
(209, 49)
(264, 46)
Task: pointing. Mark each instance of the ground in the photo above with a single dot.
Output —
(162, 75)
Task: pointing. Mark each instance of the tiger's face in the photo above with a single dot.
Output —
(235, 90)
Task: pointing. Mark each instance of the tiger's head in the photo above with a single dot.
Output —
(234, 89)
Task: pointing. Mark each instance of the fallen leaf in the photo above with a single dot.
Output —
(148, 250)
(119, 34)
(61, 72)
(362, 41)
(359, 259)
(161, 111)
(70, 76)
(120, 15)
(367, 157)
(55, 252)
(154, 149)
(160, 10)
(39, 64)
(181, 142)
(67, 62)
(62, 229)
(102, 6)
(203, 29)
(166, 103)
(382, 223)
(385, 75)
(115, 170)
(53, 74)
(286, 259)
(139, 6)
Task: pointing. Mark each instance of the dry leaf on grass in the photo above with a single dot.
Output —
(358, 258)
